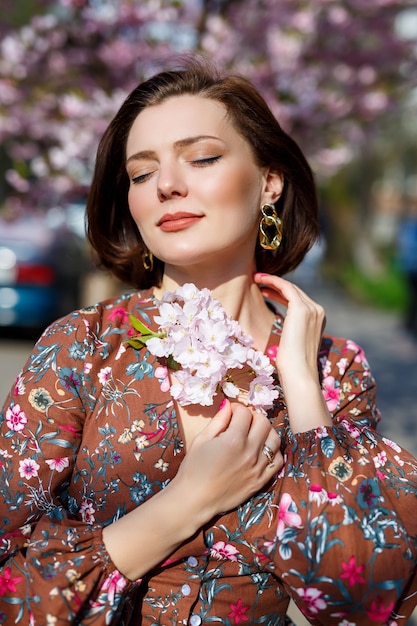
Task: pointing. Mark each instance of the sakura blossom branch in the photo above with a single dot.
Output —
(208, 351)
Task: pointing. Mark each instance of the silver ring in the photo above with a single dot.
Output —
(269, 454)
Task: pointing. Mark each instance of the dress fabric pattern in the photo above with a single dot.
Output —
(89, 432)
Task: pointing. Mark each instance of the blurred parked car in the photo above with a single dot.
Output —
(43, 258)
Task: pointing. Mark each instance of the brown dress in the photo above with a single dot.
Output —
(89, 432)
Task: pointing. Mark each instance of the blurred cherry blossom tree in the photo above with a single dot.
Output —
(330, 69)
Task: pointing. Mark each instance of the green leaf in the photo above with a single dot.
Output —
(136, 343)
(172, 363)
(139, 326)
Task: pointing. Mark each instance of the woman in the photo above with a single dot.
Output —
(122, 504)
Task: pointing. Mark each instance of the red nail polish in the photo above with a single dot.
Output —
(222, 403)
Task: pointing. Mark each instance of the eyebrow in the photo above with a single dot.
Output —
(181, 143)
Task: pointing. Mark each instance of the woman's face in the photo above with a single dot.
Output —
(195, 190)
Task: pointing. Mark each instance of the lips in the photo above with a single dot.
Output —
(171, 222)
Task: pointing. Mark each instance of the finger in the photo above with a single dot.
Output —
(274, 287)
(279, 285)
(220, 422)
(232, 418)
(271, 445)
(285, 292)
(271, 463)
(276, 296)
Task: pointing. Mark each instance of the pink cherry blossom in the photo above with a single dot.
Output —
(302, 76)
(208, 349)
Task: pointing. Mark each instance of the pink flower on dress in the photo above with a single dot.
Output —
(58, 464)
(331, 393)
(272, 352)
(16, 418)
(104, 375)
(317, 494)
(378, 612)
(352, 572)
(19, 386)
(360, 355)
(391, 444)
(222, 550)
(7, 583)
(321, 431)
(380, 459)
(312, 598)
(115, 583)
(399, 460)
(238, 610)
(285, 516)
(351, 428)
(87, 512)
(326, 366)
(342, 365)
(119, 314)
(161, 373)
(28, 468)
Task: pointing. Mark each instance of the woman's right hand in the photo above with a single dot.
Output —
(223, 467)
(225, 464)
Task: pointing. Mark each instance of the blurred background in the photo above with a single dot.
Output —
(341, 77)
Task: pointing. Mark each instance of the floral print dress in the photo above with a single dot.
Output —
(89, 432)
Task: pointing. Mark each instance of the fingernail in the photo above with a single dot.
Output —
(222, 403)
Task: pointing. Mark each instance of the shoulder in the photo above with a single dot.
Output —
(340, 347)
(113, 312)
(344, 361)
(102, 325)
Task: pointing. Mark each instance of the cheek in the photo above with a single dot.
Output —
(137, 204)
(239, 187)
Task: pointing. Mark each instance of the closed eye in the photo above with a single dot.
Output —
(141, 178)
(206, 161)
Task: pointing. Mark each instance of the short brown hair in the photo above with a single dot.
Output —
(111, 229)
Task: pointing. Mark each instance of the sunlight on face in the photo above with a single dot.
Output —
(195, 191)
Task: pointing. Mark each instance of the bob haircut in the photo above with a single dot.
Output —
(111, 229)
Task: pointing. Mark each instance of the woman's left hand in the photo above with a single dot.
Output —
(303, 325)
(297, 356)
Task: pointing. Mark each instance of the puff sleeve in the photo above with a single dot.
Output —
(51, 562)
(344, 539)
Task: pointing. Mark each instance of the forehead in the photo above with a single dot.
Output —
(180, 116)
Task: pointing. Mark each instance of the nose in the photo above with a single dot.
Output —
(171, 182)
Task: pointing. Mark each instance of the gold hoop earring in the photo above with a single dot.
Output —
(147, 260)
(270, 228)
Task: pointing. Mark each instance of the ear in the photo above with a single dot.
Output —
(274, 184)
